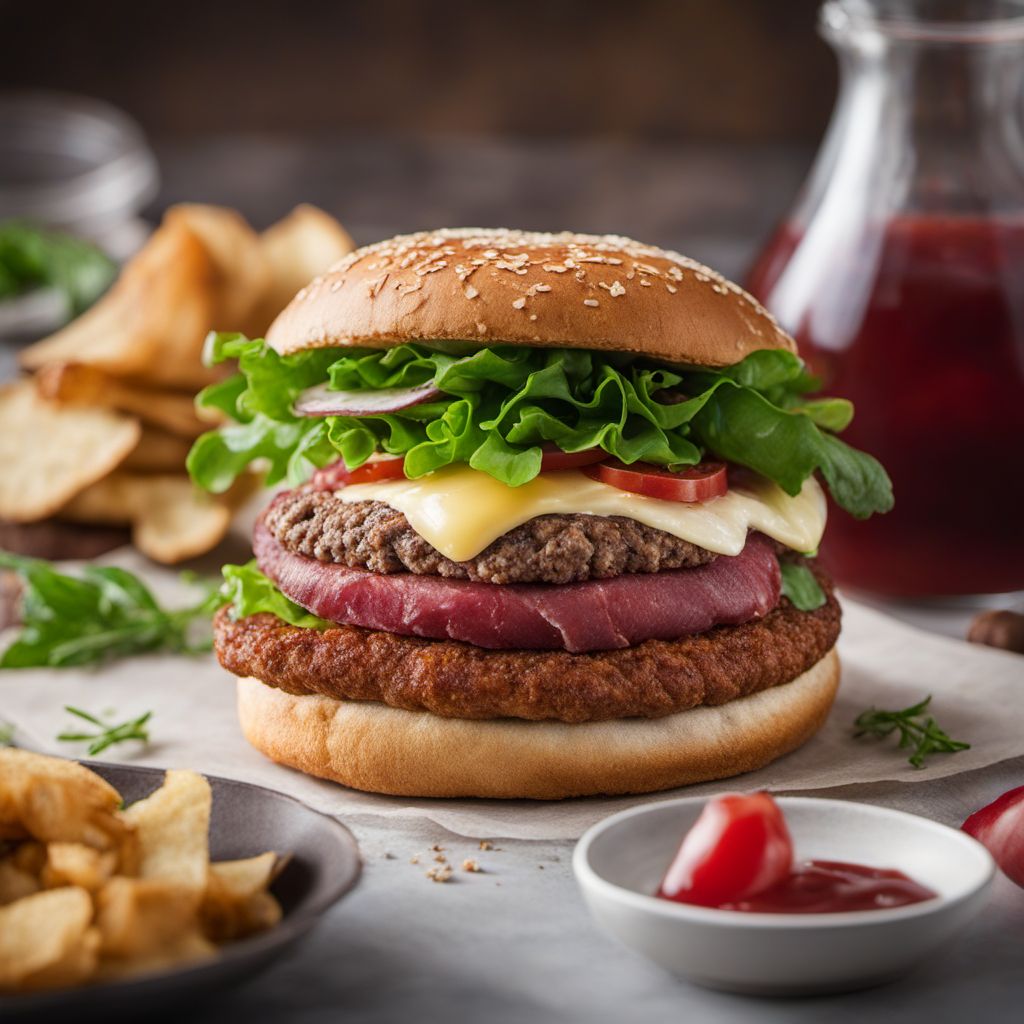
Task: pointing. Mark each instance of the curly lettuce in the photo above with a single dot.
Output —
(500, 405)
(249, 592)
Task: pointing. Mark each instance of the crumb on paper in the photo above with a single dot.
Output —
(469, 864)
(441, 873)
(440, 858)
(414, 860)
(486, 844)
(389, 856)
(437, 848)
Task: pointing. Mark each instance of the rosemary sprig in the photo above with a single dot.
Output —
(108, 734)
(916, 729)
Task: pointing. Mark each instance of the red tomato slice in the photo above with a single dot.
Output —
(698, 483)
(1000, 827)
(338, 475)
(738, 847)
(554, 458)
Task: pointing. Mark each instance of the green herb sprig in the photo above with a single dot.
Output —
(916, 729)
(108, 734)
(106, 612)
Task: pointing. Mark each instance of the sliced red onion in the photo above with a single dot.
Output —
(321, 401)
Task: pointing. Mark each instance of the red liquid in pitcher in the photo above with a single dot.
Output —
(935, 368)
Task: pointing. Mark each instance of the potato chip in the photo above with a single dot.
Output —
(50, 799)
(171, 518)
(15, 883)
(46, 940)
(298, 247)
(243, 271)
(29, 856)
(78, 384)
(152, 323)
(157, 452)
(50, 453)
(102, 893)
(172, 826)
(77, 864)
(236, 902)
(142, 917)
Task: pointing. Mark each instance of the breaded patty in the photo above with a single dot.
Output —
(549, 549)
(457, 680)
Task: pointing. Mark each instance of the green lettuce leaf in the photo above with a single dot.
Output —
(800, 586)
(500, 405)
(250, 592)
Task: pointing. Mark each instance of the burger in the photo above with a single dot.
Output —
(551, 510)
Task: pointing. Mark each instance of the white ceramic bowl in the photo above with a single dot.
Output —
(620, 862)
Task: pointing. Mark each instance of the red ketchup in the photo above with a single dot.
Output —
(739, 856)
(922, 327)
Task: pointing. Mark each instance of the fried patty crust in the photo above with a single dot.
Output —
(456, 680)
(548, 549)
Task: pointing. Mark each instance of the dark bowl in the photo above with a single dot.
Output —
(246, 820)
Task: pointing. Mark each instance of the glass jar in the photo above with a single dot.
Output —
(901, 273)
(77, 165)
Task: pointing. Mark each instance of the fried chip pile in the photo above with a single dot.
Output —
(91, 892)
(100, 430)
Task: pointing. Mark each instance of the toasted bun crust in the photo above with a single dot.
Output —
(373, 747)
(496, 286)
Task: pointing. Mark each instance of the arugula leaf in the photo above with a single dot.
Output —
(500, 405)
(250, 592)
(33, 257)
(800, 586)
(916, 729)
(106, 612)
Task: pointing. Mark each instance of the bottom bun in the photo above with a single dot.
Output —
(380, 749)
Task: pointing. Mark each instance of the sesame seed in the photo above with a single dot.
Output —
(481, 328)
(533, 316)
(519, 303)
(645, 282)
(672, 288)
(542, 287)
(470, 291)
(616, 289)
(591, 302)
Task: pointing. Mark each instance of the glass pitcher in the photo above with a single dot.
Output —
(901, 273)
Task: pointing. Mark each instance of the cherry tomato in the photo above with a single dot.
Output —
(554, 458)
(698, 483)
(738, 847)
(1000, 827)
(338, 475)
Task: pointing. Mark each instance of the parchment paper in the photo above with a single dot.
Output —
(978, 696)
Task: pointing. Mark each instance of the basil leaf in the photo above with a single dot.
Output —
(800, 586)
(34, 257)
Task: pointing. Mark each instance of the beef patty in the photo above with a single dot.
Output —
(547, 549)
(457, 680)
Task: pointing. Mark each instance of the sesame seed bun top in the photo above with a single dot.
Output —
(497, 286)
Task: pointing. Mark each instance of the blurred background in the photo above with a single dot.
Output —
(683, 122)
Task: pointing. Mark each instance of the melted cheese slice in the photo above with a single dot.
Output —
(459, 510)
